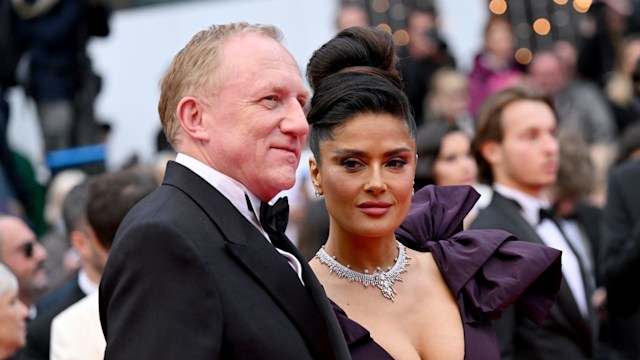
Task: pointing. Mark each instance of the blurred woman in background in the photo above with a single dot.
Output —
(13, 315)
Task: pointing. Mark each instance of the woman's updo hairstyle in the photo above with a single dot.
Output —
(355, 72)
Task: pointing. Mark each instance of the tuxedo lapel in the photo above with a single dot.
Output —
(281, 282)
(336, 338)
(516, 224)
(513, 220)
(259, 258)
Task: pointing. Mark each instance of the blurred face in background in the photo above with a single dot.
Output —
(352, 15)
(455, 164)
(547, 73)
(630, 56)
(13, 327)
(527, 157)
(499, 40)
(450, 95)
(421, 27)
(23, 254)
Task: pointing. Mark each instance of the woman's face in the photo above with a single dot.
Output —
(13, 314)
(366, 176)
(499, 41)
(455, 165)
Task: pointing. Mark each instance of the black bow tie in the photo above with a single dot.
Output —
(274, 218)
(546, 214)
(543, 213)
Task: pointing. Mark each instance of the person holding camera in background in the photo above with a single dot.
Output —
(425, 53)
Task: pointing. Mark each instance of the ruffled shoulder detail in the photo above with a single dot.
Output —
(487, 270)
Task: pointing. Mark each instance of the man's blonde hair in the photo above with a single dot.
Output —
(194, 69)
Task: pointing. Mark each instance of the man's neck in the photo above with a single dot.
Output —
(534, 191)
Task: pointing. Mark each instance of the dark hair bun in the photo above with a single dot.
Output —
(357, 49)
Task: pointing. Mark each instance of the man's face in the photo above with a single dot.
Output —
(547, 74)
(256, 122)
(527, 157)
(23, 254)
(420, 26)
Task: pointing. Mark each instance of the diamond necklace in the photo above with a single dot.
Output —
(383, 280)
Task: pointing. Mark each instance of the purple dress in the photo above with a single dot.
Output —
(487, 270)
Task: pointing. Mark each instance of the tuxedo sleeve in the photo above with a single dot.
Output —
(157, 299)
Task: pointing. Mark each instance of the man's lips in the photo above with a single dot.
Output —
(291, 150)
(550, 166)
(374, 208)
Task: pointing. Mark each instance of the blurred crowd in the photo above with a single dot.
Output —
(55, 236)
(594, 87)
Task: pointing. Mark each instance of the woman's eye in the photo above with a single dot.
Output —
(449, 158)
(397, 163)
(351, 164)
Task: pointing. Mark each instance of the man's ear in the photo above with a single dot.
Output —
(491, 151)
(80, 241)
(191, 115)
(316, 179)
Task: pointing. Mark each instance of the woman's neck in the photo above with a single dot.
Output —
(363, 253)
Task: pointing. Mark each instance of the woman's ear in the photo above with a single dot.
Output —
(316, 179)
(191, 115)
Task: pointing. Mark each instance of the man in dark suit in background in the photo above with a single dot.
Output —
(620, 257)
(194, 273)
(517, 152)
(92, 212)
(74, 289)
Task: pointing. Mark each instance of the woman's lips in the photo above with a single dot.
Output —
(375, 208)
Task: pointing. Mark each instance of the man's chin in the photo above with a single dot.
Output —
(284, 181)
(40, 282)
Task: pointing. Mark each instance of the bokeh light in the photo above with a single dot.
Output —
(401, 37)
(542, 26)
(384, 27)
(498, 7)
(523, 56)
(582, 6)
(380, 6)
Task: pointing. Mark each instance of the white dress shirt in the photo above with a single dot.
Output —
(552, 236)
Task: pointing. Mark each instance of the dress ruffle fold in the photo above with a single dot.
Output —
(487, 270)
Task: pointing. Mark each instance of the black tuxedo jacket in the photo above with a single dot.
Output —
(621, 236)
(589, 217)
(189, 277)
(620, 257)
(565, 333)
